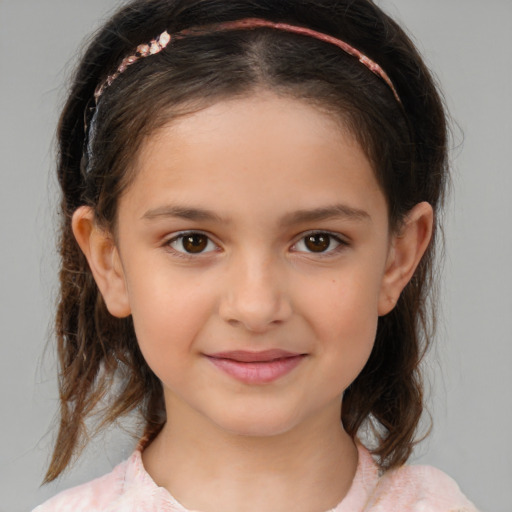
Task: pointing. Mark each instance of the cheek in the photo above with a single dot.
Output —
(345, 301)
(343, 312)
(168, 313)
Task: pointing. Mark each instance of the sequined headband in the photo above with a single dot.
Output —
(159, 43)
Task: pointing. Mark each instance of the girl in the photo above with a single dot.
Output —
(250, 200)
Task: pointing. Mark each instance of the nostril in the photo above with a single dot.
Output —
(254, 326)
(254, 299)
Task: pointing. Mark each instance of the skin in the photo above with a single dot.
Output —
(266, 169)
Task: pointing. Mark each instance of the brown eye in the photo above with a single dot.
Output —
(192, 243)
(195, 243)
(318, 242)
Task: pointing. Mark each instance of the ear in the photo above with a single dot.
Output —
(406, 250)
(102, 255)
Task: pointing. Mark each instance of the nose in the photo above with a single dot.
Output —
(254, 295)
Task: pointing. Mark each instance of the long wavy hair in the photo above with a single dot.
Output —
(406, 143)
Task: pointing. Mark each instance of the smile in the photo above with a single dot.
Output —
(256, 367)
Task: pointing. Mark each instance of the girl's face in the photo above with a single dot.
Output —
(254, 253)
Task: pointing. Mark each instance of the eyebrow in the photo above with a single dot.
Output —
(300, 216)
(337, 211)
(182, 212)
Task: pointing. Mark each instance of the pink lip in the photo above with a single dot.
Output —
(256, 367)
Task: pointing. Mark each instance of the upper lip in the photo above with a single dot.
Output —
(247, 356)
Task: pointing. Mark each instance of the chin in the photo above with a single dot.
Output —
(257, 423)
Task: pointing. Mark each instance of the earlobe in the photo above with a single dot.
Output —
(407, 249)
(102, 255)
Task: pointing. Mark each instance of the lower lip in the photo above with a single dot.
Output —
(257, 372)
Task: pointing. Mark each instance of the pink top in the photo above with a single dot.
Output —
(129, 488)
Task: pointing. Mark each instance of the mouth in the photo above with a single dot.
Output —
(256, 367)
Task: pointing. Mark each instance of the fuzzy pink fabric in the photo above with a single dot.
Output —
(129, 488)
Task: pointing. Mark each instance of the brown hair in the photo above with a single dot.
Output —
(406, 143)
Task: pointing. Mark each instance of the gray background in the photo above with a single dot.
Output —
(468, 44)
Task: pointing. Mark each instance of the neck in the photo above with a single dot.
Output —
(307, 469)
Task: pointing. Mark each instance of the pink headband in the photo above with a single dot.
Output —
(157, 45)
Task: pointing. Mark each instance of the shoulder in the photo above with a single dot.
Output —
(96, 495)
(419, 489)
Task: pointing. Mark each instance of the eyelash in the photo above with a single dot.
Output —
(341, 244)
(182, 236)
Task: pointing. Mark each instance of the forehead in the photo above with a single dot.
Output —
(278, 149)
